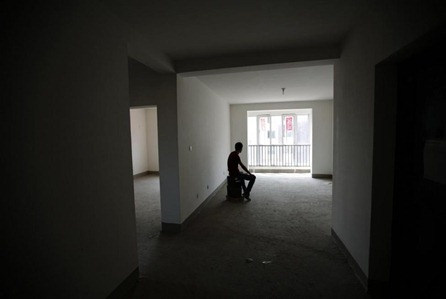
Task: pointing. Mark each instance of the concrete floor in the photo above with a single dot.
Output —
(276, 246)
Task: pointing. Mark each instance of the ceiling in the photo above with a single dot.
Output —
(202, 29)
(304, 83)
(187, 29)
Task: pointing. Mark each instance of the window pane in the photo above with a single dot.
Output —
(288, 128)
(276, 129)
(263, 129)
(252, 130)
(303, 129)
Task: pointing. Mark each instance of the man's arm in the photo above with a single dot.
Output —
(244, 167)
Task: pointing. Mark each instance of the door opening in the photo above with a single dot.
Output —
(145, 162)
(420, 180)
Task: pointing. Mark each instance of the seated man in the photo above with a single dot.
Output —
(233, 163)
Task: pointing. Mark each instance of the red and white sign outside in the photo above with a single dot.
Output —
(289, 123)
(262, 123)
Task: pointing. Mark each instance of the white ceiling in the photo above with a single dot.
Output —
(304, 83)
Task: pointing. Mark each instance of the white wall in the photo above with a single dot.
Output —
(322, 115)
(152, 139)
(144, 132)
(387, 27)
(323, 138)
(150, 88)
(139, 141)
(203, 124)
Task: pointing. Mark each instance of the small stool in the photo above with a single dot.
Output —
(234, 189)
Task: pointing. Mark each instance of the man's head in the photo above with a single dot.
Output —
(239, 147)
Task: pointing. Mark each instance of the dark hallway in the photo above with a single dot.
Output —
(285, 230)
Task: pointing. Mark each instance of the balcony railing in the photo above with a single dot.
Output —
(279, 155)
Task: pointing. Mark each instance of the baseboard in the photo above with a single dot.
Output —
(351, 261)
(321, 176)
(176, 227)
(125, 288)
(138, 175)
(201, 206)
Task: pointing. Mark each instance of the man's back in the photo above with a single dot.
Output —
(233, 162)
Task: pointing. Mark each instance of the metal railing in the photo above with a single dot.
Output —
(279, 155)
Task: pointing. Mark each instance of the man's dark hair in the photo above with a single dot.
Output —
(238, 146)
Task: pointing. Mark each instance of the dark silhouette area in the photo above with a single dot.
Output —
(236, 175)
(417, 257)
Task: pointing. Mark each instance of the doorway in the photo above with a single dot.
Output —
(420, 180)
(409, 184)
(146, 182)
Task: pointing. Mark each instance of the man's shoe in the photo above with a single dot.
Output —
(247, 197)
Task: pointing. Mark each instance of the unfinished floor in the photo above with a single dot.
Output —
(276, 246)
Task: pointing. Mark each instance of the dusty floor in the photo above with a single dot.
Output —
(276, 246)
